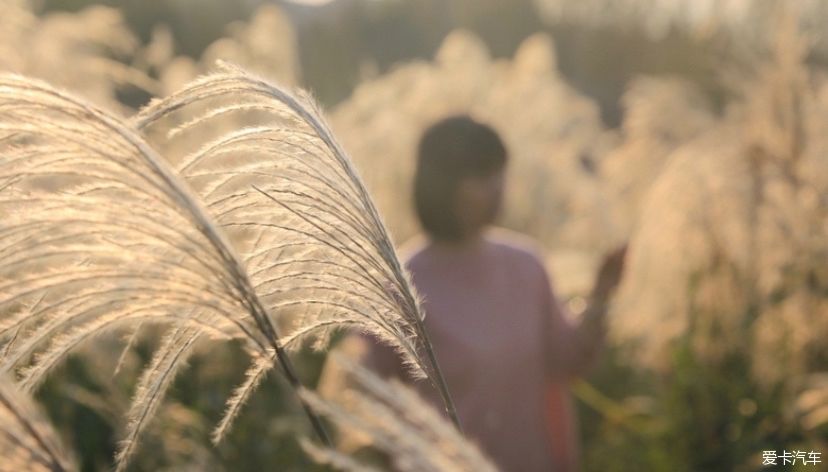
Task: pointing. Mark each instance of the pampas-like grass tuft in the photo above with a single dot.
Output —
(399, 422)
(287, 193)
(100, 234)
(27, 440)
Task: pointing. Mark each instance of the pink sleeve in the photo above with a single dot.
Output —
(569, 351)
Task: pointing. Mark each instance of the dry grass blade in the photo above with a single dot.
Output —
(253, 377)
(337, 460)
(310, 236)
(27, 441)
(98, 234)
(154, 382)
(398, 421)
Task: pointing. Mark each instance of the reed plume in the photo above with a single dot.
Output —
(399, 423)
(730, 247)
(86, 52)
(309, 234)
(101, 234)
(27, 440)
(98, 234)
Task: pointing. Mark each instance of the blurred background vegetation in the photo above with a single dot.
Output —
(695, 130)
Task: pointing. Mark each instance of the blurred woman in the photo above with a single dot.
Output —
(504, 342)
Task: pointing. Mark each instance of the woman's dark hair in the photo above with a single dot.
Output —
(450, 150)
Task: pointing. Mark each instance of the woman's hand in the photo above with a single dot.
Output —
(607, 280)
(609, 275)
(592, 328)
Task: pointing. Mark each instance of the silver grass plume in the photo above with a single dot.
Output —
(399, 422)
(154, 381)
(98, 234)
(309, 235)
(27, 440)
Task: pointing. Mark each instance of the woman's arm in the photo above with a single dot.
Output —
(593, 320)
(573, 347)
